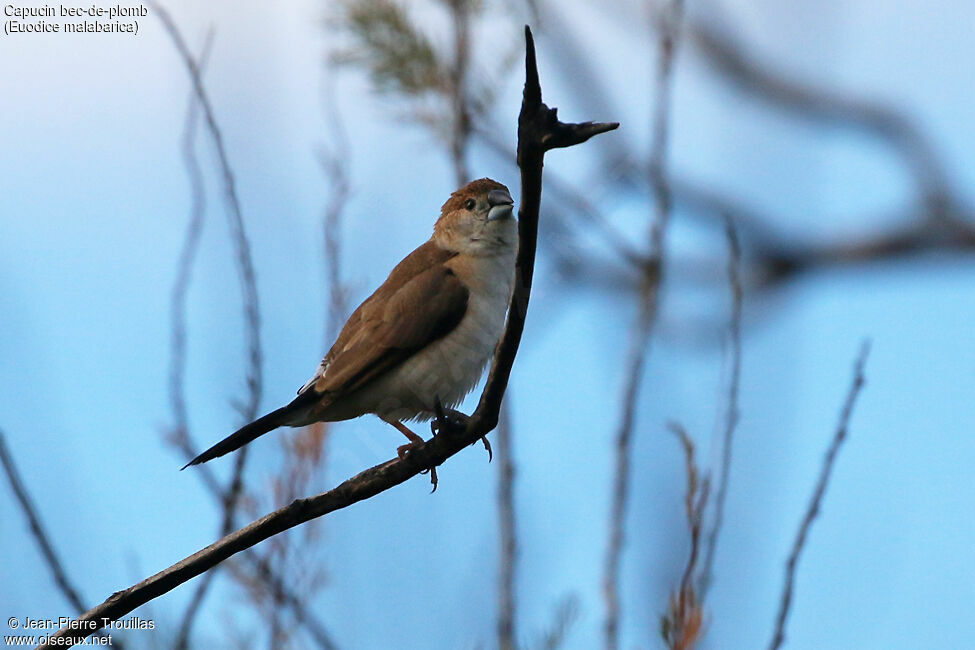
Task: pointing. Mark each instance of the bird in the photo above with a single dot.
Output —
(421, 341)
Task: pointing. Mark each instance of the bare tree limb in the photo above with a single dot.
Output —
(670, 19)
(539, 130)
(257, 568)
(40, 534)
(731, 417)
(815, 501)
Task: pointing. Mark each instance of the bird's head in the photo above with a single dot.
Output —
(477, 220)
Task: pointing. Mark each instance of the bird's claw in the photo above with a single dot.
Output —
(404, 450)
(487, 445)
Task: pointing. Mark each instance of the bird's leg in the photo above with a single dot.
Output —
(414, 442)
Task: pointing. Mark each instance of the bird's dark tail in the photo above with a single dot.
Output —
(286, 415)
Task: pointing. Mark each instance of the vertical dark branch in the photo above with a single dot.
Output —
(669, 23)
(508, 536)
(815, 501)
(40, 534)
(539, 130)
(732, 415)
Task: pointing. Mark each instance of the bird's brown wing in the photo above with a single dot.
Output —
(420, 302)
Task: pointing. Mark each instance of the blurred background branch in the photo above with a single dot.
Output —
(669, 21)
(41, 538)
(816, 500)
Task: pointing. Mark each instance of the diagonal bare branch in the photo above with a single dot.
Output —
(64, 584)
(816, 500)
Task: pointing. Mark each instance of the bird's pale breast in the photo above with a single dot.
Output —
(450, 367)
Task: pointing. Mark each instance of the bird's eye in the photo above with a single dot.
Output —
(469, 204)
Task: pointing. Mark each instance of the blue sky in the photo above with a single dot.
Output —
(95, 201)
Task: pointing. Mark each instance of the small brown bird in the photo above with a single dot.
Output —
(424, 337)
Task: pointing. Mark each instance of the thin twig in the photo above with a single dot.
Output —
(235, 217)
(508, 542)
(732, 415)
(335, 161)
(539, 130)
(681, 627)
(187, 257)
(40, 534)
(815, 501)
(261, 570)
(565, 615)
(670, 19)
(37, 528)
(636, 354)
(251, 304)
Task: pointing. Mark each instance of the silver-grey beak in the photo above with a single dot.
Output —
(501, 205)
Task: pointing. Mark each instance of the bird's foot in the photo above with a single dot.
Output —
(447, 421)
(404, 450)
(415, 441)
(454, 422)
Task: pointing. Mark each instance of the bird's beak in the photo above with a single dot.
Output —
(501, 205)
